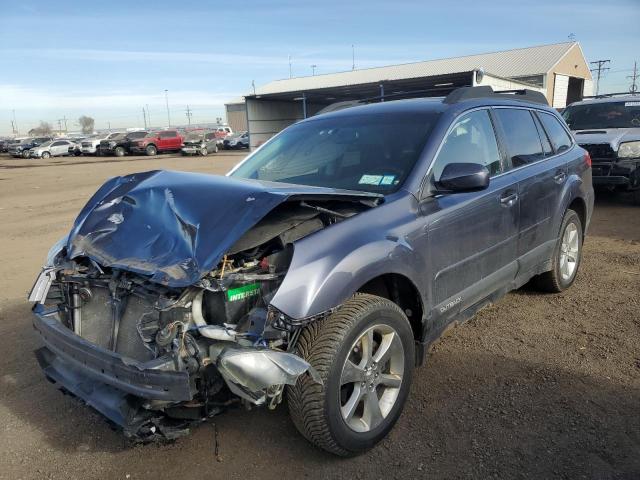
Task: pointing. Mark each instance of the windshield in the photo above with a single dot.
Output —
(194, 136)
(46, 144)
(603, 115)
(151, 135)
(136, 135)
(374, 153)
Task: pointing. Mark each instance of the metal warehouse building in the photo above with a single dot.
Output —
(560, 71)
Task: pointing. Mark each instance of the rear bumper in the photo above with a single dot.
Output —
(72, 362)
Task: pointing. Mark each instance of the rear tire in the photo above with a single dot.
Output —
(151, 150)
(566, 258)
(119, 151)
(25, 154)
(204, 152)
(364, 353)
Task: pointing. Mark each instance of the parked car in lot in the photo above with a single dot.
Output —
(89, 146)
(53, 148)
(321, 267)
(237, 140)
(200, 142)
(609, 129)
(158, 142)
(8, 142)
(120, 145)
(22, 148)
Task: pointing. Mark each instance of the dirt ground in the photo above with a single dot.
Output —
(536, 386)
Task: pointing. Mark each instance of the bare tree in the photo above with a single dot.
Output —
(43, 129)
(86, 123)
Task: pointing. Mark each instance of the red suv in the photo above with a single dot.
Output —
(154, 142)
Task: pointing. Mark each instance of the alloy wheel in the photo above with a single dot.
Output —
(371, 378)
(569, 251)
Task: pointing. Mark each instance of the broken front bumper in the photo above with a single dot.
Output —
(70, 360)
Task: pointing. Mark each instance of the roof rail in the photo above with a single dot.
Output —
(485, 91)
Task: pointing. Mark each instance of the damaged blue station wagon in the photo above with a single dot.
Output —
(320, 268)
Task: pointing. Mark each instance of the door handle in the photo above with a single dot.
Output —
(507, 199)
(560, 176)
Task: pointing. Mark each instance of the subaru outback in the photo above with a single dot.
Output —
(319, 270)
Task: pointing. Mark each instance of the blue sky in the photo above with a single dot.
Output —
(109, 59)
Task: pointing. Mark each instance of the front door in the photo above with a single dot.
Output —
(471, 236)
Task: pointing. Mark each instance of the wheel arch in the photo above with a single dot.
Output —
(403, 292)
(579, 206)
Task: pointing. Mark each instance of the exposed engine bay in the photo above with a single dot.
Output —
(219, 337)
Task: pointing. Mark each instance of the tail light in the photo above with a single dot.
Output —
(587, 159)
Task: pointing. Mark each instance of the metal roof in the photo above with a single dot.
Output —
(509, 63)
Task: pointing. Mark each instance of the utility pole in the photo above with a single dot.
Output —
(290, 75)
(600, 68)
(166, 99)
(148, 115)
(59, 125)
(189, 114)
(14, 123)
(634, 87)
(313, 69)
(64, 119)
(353, 57)
(109, 124)
(144, 118)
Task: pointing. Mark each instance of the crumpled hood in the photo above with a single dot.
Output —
(176, 226)
(612, 136)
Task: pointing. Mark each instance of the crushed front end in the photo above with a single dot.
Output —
(159, 341)
(153, 358)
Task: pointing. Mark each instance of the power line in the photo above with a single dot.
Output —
(600, 68)
(634, 88)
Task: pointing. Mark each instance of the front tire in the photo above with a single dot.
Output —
(364, 353)
(25, 154)
(204, 152)
(151, 150)
(46, 155)
(119, 151)
(567, 256)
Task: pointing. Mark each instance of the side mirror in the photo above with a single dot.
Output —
(464, 177)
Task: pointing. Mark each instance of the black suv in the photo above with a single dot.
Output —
(608, 127)
(322, 267)
(120, 145)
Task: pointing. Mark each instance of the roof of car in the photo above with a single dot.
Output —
(608, 99)
(431, 104)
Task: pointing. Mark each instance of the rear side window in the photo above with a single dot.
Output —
(57, 144)
(521, 136)
(559, 137)
(168, 134)
(471, 140)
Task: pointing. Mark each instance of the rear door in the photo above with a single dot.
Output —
(471, 236)
(169, 140)
(541, 173)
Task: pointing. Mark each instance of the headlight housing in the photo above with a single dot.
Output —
(55, 251)
(629, 150)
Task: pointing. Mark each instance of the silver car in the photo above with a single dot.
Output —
(54, 148)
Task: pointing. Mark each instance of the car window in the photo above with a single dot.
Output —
(210, 136)
(471, 140)
(521, 136)
(600, 115)
(168, 134)
(373, 153)
(547, 149)
(559, 137)
(57, 144)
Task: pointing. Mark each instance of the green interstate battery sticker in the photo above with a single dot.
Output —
(243, 292)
